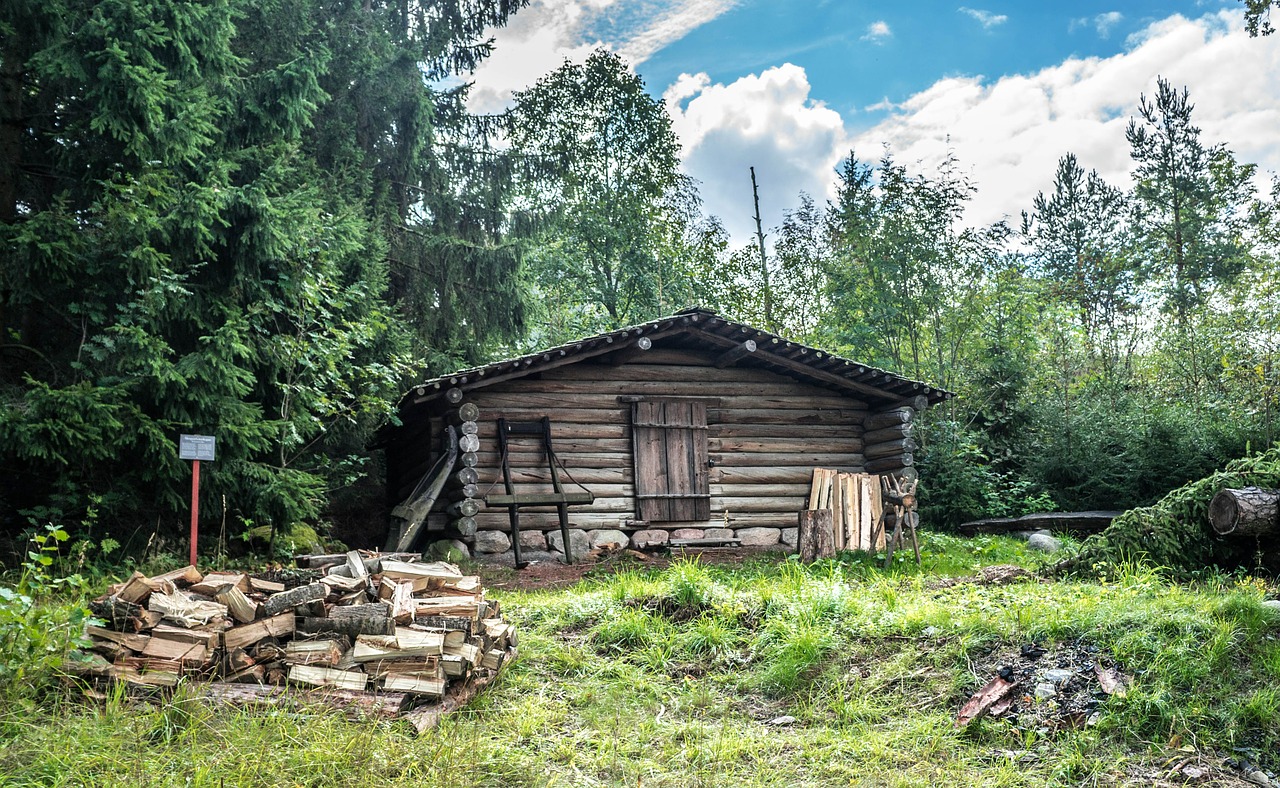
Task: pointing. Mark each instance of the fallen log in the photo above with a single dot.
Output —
(1248, 511)
(1071, 522)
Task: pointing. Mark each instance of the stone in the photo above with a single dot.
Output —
(650, 537)
(508, 559)
(1273, 606)
(1058, 675)
(533, 540)
(718, 533)
(492, 542)
(1258, 777)
(1044, 543)
(785, 719)
(460, 546)
(1026, 535)
(608, 539)
(791, 537)
(1045, 691)
(759, 537)
(578, 541)
(688, 533)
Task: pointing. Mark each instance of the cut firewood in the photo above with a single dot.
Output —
(425, 718)
(247, 635)
(114, 611)
(180, 608)
(313, 652)
(288, 600)
(136, 589)
(259, 586)
(242, 608)
(216, 581)
(429, 667)
(492, 659)
(370, 648)
(127, 640)
(344, 584)
(187, 654)
(415, 685)
(317, 676)
(185, 577)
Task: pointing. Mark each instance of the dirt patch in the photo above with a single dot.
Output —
(1055, 687)
(544, 575)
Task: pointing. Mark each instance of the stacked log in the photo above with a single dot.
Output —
(372, 634)
(463, 500)
(888, 443)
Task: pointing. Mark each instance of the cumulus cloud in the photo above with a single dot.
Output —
(767, 121)
(546, 33)
(1010, 133)
(986, 18)
(877, 32)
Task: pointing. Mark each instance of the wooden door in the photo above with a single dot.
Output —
(670, 455)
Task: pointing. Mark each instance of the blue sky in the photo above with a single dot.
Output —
(791, 87)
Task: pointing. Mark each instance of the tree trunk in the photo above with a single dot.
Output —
(1250, 511)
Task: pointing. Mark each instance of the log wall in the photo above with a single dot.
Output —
(766, 434)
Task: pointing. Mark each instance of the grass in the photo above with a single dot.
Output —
(670, 678)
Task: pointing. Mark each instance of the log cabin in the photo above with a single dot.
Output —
(693, 426)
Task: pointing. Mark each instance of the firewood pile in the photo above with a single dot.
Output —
(376, 635)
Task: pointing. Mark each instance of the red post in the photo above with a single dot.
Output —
(195, 506)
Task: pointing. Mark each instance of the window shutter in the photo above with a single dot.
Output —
(670, 454)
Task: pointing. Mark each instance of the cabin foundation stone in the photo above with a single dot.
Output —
(650, 537)
(759, 537)
(492, 542)
(608, 539)
(533, 540)
(578, 542)
(688, 533)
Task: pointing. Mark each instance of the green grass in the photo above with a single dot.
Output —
(669, 678)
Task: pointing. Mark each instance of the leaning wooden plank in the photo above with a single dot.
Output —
(318, 676)
(351, 702)
(247, 635)
(837, 511)
(425, 718)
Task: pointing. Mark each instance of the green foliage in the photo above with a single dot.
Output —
(41, 616)
(1174, 534)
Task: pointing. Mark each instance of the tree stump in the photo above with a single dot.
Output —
(816, 539)
(1250, 511)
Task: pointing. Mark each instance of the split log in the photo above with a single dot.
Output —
(243, 609)
(247, 635)
(816, 538)
(1249, 511)
(351, 621)
(426, 718)
(114, 611)
(288, 600)
(182, 578)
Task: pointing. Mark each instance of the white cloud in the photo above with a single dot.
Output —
(1103, 23)
(1010, 133)
(543, 35)
(878, 31)
(986, 18)
(767, 121)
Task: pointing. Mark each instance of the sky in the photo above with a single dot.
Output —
(792, 87)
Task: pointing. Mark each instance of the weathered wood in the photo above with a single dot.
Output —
(539, 499)
(467, 507)
(735, 354)
(180, 608)
(896, 432)
(983, 700)
(1247, 511)
(320, 561)
(468, 411)
(468, 459)
(426, 718)
(454, 395)
(288, 600)
(242, 608)
(182, 578)
(815, 536)
(469, 443)
(1071, 522)
(320, 676)
(352, 621)
(889, 418)
(247, 635)
(114, 611)
(465, 476)
(893, 448)
(465, 526)
(890, 464)
(782, 445)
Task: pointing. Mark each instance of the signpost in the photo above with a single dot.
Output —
(195, 448)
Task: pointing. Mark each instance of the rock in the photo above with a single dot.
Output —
(688, 533)
(1045, 691)
(717, 533)
(1026, 535)
(578, 541)
(492, 542)
(643, 540)
(1273, 605)
(508, 558)
(1044, 543)
(759, 537)
(533, 540)
(1058, 675)
(785, 719)
(608, 539)
(460, 546)
(791, 537)
(1258, 777)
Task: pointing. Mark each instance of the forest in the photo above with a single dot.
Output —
(265, 220)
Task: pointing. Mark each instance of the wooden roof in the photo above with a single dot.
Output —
(738, 343)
